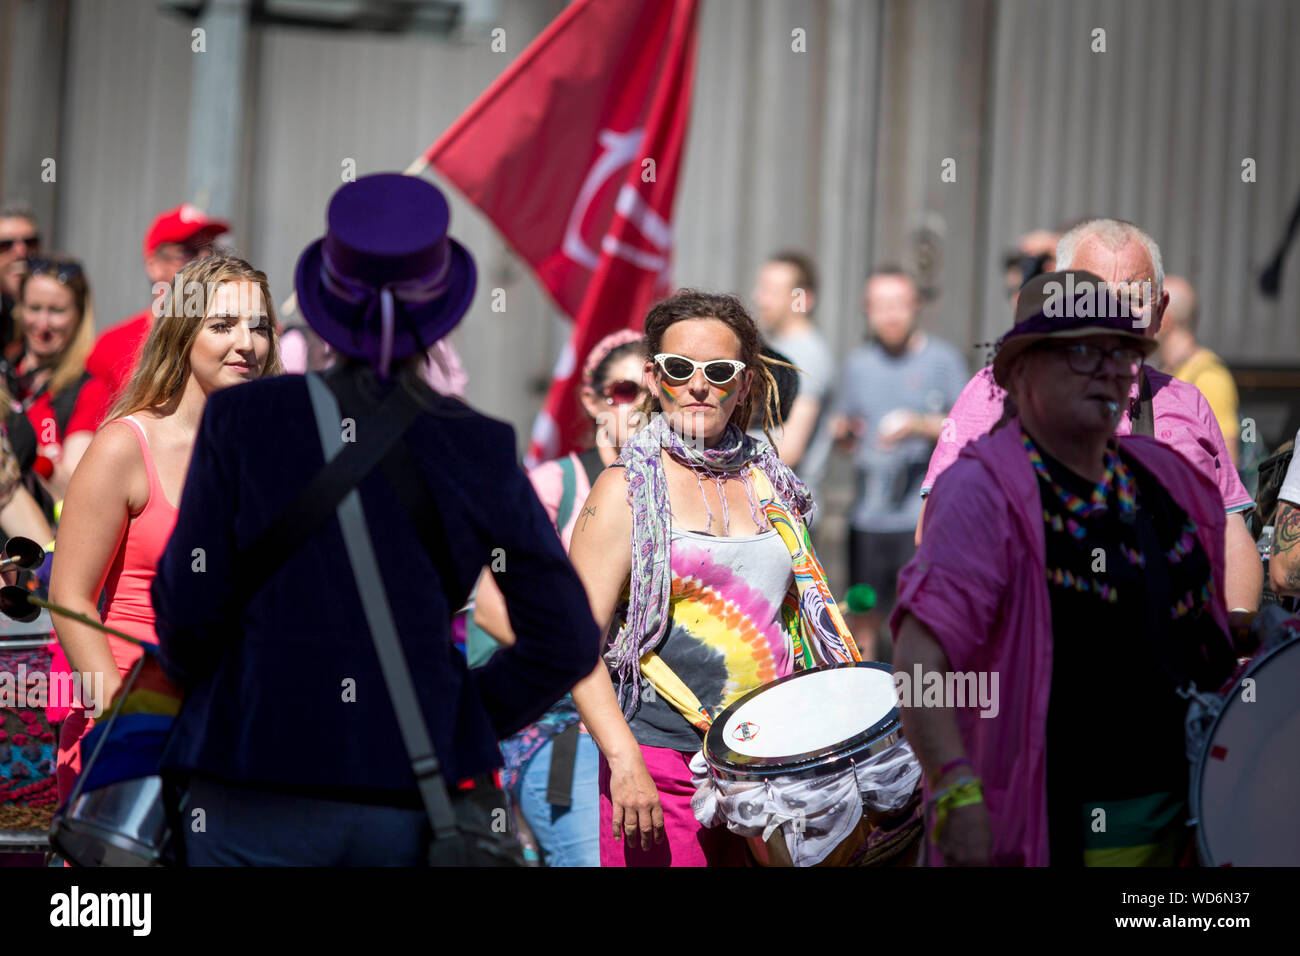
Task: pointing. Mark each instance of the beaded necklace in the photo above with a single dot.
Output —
(1122, 477)
(1116, 471)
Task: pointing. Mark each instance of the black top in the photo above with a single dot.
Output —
(1115, 723)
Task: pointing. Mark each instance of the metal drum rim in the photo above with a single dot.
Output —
(1198, 776)
(64, 825)
(730, 765)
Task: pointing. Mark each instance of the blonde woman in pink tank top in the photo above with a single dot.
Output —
(122, 501)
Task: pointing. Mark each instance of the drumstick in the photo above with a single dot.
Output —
(22, 605)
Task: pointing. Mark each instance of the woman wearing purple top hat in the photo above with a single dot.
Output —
(288, 738)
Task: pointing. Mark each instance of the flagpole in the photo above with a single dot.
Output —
(417, 168)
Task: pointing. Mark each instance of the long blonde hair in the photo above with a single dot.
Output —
(164, 364)
(69, 273)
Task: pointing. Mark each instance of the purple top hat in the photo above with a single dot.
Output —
(385, 281)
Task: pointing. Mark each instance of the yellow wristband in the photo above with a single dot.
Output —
(962, 793)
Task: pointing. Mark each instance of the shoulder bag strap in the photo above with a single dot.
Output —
(568, 492)
(379, 618)
(592, 465)
(342, 472)
(1145, 423)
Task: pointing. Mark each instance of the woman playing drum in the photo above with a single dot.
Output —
(677, 524)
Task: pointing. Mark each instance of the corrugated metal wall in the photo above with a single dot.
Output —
(837, 149)
(1155, 130)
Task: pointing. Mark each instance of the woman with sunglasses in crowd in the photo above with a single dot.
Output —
(679, 526)
(62, 401)
(556, 754)
(122, 503)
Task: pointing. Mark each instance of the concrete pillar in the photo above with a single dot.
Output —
(220, 47)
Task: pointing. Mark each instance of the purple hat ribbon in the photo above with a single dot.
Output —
(417, 291)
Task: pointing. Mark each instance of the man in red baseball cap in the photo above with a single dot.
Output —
(176, 238)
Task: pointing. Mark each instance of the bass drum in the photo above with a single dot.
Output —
(1245, 781)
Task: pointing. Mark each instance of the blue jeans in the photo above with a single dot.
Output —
(244, 827)
(568, 836)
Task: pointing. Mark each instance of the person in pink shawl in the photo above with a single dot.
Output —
(1085, 573)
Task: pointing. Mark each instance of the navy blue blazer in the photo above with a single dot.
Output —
(288, 694)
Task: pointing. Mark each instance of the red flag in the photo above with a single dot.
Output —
(574, 154)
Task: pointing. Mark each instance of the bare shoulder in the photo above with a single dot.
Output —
(113, 461)
(605, 513)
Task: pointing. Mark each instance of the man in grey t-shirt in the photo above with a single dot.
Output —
(894, 393)
(785, 294)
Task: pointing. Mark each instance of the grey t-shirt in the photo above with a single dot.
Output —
(875, 383)
(809, 351)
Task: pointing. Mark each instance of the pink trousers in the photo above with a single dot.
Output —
(686, 843)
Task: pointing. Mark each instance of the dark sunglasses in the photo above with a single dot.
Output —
(623, 392)
(61, 270)
(30, 243)
(679, 368)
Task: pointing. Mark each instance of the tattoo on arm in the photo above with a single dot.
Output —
(1286, 528)
(1286, 534)
(587, 513)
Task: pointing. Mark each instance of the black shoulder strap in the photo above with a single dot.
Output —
(1145, 422)
(64, 402)
(592, 464)
(377, 435)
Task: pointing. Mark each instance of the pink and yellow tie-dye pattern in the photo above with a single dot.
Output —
(714, 606)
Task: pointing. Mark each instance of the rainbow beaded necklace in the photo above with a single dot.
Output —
(1116, 471)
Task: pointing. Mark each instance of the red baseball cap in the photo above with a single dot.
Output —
(185, 223)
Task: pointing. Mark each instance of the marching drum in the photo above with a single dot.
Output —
(1249, 762)
(115, 815)
(813, 770)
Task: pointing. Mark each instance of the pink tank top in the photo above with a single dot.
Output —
(129, 607)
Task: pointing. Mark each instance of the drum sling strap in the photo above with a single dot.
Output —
(815, 643)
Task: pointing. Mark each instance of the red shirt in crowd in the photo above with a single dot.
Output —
(113, 359)
(93, 403)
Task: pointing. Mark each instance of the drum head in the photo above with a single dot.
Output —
(809, 722)
(1247, 777)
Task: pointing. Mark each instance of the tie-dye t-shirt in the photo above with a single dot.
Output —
(725, 637)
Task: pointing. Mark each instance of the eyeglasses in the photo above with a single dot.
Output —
(1085, 359)
(623, 392)
(61, 270)
(678, 368)
(30, 243)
